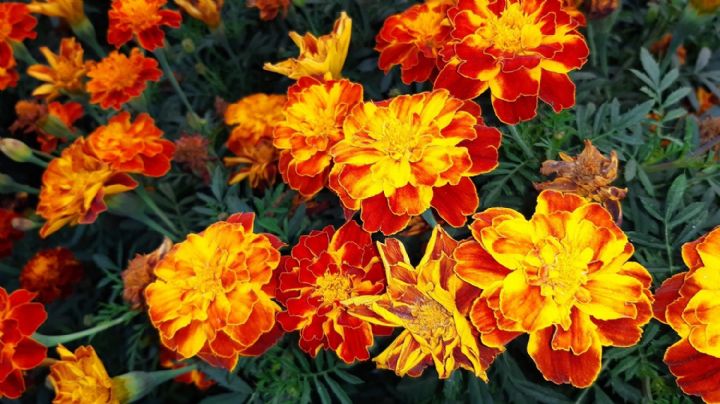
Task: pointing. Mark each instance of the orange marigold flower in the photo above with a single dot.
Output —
(413, 152)
(563, 277)
(51, 274)
(81, 374)
(140, 272)
(661, 46)
(213, 293)
(191, 152)
(16, 23)
(207, 11)
(321, 57)
(269, 9)
(41, 119)
(706, 100)
(254, 117)
(431, 303)
(142, 19)
(258, 164)
(688, 302)
(325, 268)
(8, 74)
(69, 10)
(572, 7)
(413, 39)
(65, 71)
(170, 359)
(314, 116)
(133, 147)
(19, 319)
(117, 78)
(8, 234)
(519, 49)
(74, 187)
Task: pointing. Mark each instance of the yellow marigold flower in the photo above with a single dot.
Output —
(74, 186)
(213, 293)
(207, 11)
(65, 71)
(254, 117)
(563, 277)
(81, 377)
(431, 303)
(321, 57)
(69, 10)
(259, 164)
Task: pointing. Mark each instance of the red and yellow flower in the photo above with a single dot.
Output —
(253, 118)
(320, 57)
(41, 119)
(8, 234)
(19, 319)
(65, 71)
(269, 9)
(688, 302)
(405, 155)
(519, 49)
(74, 187)
(117, 78)
(563, 277)
(142, 19)
(324, 269)
(170, 359)
(213, 293)
(133, 147)
(258, 163)
(81, 377)
(16, 24)
(431, 303)
(413, 40)
(52, 274)
(314, 116)
(8, 74)
(70, 10)
(207, 11)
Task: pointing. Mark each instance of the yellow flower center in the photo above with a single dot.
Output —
(333, 287)
(563, 270)
(429, 318)
(208, 278)
(513, 32)
(399, 140)
(141, 13)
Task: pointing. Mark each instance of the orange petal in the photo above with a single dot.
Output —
(563, 366)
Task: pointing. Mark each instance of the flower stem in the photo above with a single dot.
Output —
(142, 193)
(54, 340)
(144, 219)
(429, 218)
(162, 58)
(86, 32)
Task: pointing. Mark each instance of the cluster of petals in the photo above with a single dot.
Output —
(16, 24)
(207, 11)
(269, 9)
(690, 303)
(402, 156)
(520, 50)
(8, 234)
(431, 304)
(71, 11)
(65, 71)
(132, 146)
(563, 277)
(118, 78)
(74, 187)
(38, 117)
(213, 296)
(141, 19)
(325, 268)
(19, 319)
(80, 377)
(313, 123)
(51, 273)
(320, 57)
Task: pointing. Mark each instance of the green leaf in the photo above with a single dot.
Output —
(337, 390)
(676, 96)
(601, 397)
(674, 196)
(650, 66)
(226, 398)
(225, 379)
(347, 377)
(322, 392)
(541, 393)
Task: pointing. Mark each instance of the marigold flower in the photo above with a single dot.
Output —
(572, 7)
(8, 234)
(706, 100)
(688, 302)
(258, 164)
(207, 11)
(51, 274)
(19, 319)
(325, 268)
(8, 74)
(590, 175)
(69, 10)
(705, 6)
(321, 57)
(519, 49)
(170, 359)
(133, 147)
(16, 23)
(65, 71)
(142, 19)
(254, 117)
(661, 46)
(413, 152)
(118, 78)
(81, 377)
(563, 277)
(413, 39)
(314, 116)
(140, 272)
(269, 9)
(34, 117)
(191, 152)
(431, 303)
(213, 293)
(602, 8)
(74, 187)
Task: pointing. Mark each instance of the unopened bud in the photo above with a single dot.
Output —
(23, 224)
(16, 150)
(602, 8)
(188, 45)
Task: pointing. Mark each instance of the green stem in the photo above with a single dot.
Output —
(429, 218)
(149, 202)
(517, 138)
(147, 221)
(54, 340)
(21, 52)
(162, 58)
(86, 32)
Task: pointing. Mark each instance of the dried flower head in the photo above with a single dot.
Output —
(589, 174)
(52, 274)
(41, 119)
(191, 152)
(140, 273)
(269, 9)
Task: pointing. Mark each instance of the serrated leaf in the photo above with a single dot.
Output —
(676, 96)
(669, 79)
(337, 390)
(674, 196)
(650, 66)
(322, 392)
(348, 378)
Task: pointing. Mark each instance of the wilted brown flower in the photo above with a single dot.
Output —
(191, 152)
(140, 273)
(709, 134)
(589, 174)
(706, 100)
(602, 8)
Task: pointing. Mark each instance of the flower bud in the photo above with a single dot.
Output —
(188, 45)
(16, 150)
(602, 8)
